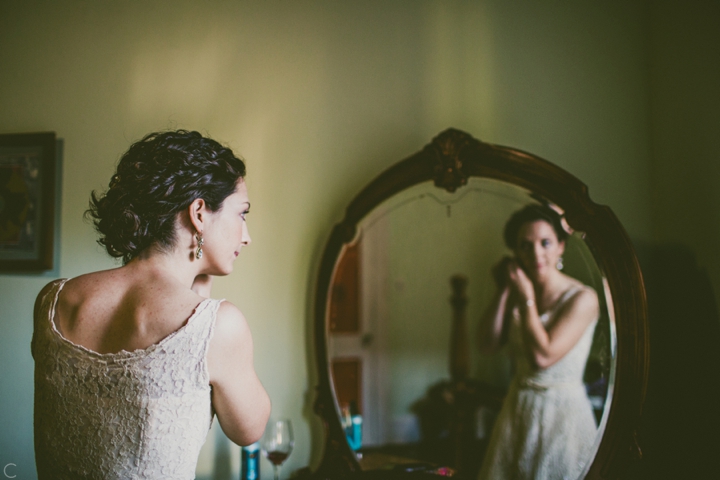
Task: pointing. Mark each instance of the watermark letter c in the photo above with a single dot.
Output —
(5, 470)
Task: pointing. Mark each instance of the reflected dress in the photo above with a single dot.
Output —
(546, 427)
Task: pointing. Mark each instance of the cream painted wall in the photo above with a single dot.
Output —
(319, 97)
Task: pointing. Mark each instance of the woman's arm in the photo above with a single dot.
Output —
(239, 399)
(492, 323)
(546, 347)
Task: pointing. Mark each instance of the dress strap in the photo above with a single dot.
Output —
(566, 295)
(43, 319)
(46, 315)
(572, 291)
(52, 299)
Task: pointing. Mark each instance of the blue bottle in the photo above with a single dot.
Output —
(354, 433)
(250, 467)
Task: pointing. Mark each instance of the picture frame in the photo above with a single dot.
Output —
(27, 201)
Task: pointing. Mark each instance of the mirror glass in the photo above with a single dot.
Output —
(390, 323)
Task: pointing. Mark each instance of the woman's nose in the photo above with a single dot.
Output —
(246, 240)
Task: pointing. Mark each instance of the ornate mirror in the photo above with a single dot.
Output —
(403, 282)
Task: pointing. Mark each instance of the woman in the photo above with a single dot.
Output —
(132, 363)
(546, 427)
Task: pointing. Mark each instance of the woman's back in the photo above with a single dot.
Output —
(132, 413)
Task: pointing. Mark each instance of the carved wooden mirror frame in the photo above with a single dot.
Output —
(449, 160)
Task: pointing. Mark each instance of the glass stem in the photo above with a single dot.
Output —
(276, 470)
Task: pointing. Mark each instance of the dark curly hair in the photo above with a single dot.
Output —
(158, 177)
(532, 213)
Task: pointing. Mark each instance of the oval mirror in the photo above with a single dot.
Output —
(404, 281)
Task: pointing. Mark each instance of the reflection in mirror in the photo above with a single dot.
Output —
(395, 327)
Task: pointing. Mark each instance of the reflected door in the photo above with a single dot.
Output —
(356, 337)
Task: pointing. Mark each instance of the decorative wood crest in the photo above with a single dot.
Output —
(449, 147)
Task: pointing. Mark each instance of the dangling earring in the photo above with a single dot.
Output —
(201, 242)
(559, 265)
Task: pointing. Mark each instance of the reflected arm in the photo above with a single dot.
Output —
(492, 324)
(546, 347)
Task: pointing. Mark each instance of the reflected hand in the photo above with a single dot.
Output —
(500, 272)
(202, 285)
(520, 282)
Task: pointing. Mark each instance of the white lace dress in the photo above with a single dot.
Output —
(546, 427)
(128, 415)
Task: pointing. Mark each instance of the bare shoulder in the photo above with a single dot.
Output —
(78, 290)
(89, 282)
(587, 295)
(583, 296)
(585, 302)
(578, 313)
(124, 284)
(231, 327)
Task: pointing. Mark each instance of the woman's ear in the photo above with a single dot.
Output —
(198, 212)
(561, 246)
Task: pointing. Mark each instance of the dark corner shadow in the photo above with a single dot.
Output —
(680, 429)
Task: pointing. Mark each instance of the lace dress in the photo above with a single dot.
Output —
(546, 427)
(129, 415)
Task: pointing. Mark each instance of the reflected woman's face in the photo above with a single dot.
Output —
(538, 249)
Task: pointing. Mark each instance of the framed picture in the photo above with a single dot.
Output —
(27, 201)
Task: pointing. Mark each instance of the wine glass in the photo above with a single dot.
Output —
(277, 443)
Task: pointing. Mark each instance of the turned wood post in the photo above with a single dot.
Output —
(459, 348)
